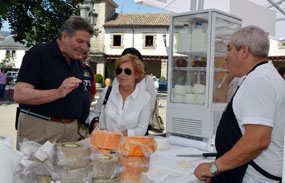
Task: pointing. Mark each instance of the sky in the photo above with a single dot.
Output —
(124, 6)
(129, 6)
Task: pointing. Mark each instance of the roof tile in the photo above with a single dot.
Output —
(140, 19)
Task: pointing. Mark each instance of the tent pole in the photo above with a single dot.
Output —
(276, 6)
(201, 5)
(193, 5)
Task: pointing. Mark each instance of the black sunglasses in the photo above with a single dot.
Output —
(126, 70)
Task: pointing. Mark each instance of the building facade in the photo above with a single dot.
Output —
(11, 49)
(106, 10)
(277, 52)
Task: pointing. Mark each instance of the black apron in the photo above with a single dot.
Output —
(228, 133)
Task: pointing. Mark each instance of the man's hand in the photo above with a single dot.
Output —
(68, 85)
(202, 172)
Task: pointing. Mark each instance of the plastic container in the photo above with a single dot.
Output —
(138, 146)
(184, 39)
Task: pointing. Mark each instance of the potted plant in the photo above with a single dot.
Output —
(99, 80)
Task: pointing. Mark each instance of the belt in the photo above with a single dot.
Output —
(47, 118)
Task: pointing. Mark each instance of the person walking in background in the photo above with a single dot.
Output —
(250, 134)
(2, 83)
(12, 84)
(128, 107)
(156, 84)
(49, 86)
(88, 98)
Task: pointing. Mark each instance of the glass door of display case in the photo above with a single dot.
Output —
(189, 59)
(198, 84)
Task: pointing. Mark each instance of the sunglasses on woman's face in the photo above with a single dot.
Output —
(126, 70)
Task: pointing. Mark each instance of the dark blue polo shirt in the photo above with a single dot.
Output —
(45, 68)
(88, 78)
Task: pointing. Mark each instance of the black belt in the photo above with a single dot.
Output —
(47, 118)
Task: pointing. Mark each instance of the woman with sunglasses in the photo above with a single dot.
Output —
(128, 108)
(147, 82)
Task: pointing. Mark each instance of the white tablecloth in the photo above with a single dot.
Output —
(166, 167)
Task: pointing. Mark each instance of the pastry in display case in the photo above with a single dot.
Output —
(198, 82)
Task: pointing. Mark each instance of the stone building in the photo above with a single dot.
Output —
(106, 10)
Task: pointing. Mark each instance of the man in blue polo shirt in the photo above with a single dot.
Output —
(49, 87)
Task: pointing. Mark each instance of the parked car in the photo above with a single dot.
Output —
(162, 84)
(11, 74)
(15, 76)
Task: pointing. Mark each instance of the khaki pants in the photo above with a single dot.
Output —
(40, 131)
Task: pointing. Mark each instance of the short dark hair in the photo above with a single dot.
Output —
(73, 24)
(132, 51)
(135, 52)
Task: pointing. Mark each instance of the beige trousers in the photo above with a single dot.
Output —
(40, 131)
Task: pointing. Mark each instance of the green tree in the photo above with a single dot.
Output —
(37, 21)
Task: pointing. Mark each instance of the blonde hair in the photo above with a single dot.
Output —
(136, 63)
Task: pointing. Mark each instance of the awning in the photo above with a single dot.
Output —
(277, 58)
(145, 57)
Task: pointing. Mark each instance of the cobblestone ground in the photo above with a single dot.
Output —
(8, 114)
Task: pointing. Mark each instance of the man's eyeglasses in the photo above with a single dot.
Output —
(126, 70)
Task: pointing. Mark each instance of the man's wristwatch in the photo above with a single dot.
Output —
(214, 169)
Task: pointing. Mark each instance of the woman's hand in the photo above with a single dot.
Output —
(125, 132)
(95, 125)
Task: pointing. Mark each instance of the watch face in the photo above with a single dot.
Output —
(213, 168)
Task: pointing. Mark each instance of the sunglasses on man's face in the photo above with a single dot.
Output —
(126, 70)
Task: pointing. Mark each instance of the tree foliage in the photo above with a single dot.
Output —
(37, 21)
(8, 62)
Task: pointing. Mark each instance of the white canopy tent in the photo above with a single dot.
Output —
(268, 14)
(176, 6)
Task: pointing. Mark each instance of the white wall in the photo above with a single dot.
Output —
(2, 55)
(18, 59)
(134, 38)
(274, 51)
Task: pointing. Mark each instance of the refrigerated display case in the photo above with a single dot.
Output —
(199, 86)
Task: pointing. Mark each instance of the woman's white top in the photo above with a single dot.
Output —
(135, 115)
(148, 84)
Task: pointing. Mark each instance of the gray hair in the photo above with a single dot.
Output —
(255, 38)
(73, 24)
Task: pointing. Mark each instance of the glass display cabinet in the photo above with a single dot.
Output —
(199, 86)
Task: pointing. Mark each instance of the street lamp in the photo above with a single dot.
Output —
(87, 11)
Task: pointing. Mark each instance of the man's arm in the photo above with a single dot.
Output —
(251, 144)
(26, 93)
